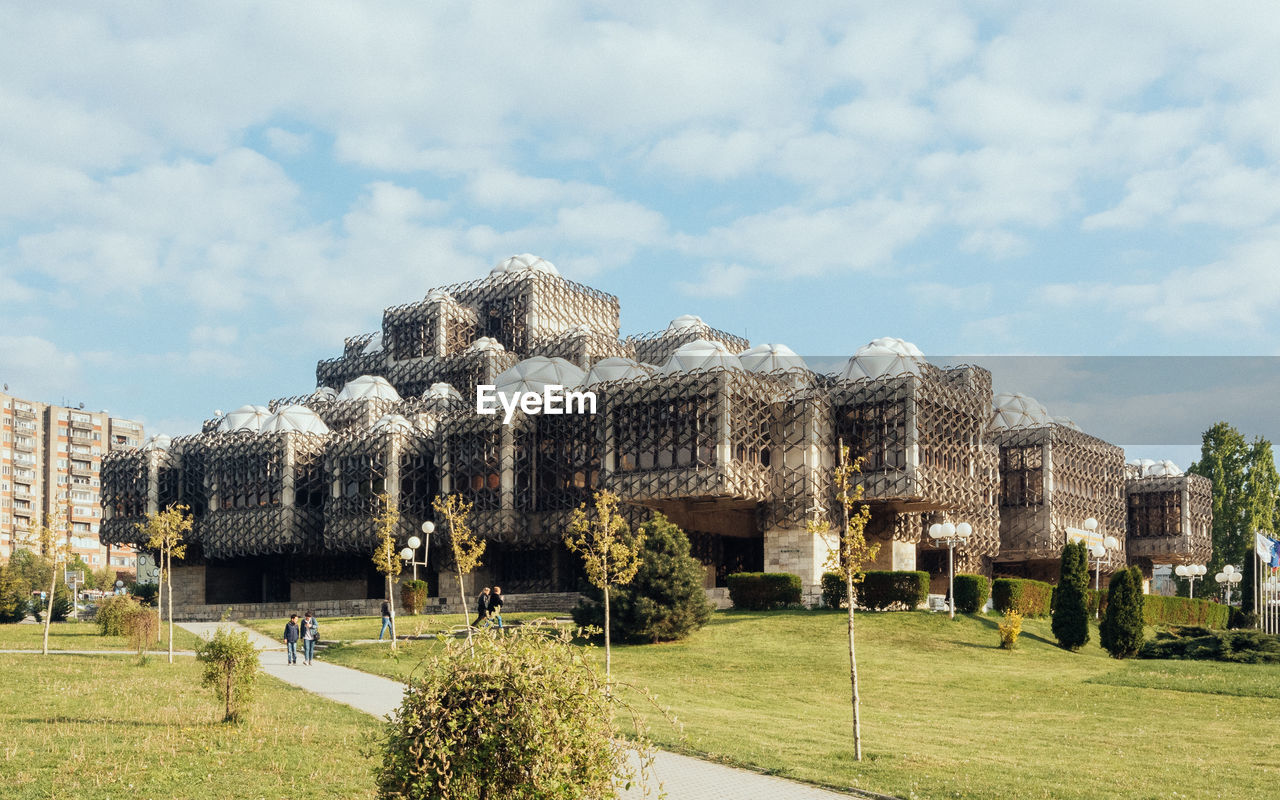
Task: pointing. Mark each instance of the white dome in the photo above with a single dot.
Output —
(771, 358)
(1067, 422)
(700, 354)
(294, 419)
(1017, 410)
(485, 343)
(686, 322)
(158, 442)
(244, 418)
(525, 262)
(885, 357)
(536, 373)
(442, 391)
(393, 423)
(374, 345)
(372, 387)
(325, 393)
(616, 369)
(1161, 468)
(438, 296)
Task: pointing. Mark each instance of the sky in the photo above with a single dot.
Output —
(198, 201)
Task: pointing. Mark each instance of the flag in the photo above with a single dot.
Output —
(1265, 547)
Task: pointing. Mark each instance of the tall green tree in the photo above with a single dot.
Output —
(1121, 632)
(465, 547)
(164, 532)
(1245, 486)
(1070, 612)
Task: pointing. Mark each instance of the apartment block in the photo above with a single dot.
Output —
(50, 465)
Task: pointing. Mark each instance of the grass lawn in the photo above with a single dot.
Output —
(83, 636)
(346, 629)
(946, 713)
(104, 727)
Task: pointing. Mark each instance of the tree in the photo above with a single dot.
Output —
(230, 669)
(13, 595)
(164, 531)
(1121, 633)
(51, 537)
(1245, 485)
(386, 558)
(665, 600)
(1070, 609)
(516, 717)
(465, 547)
(848, 558)
(610, 553)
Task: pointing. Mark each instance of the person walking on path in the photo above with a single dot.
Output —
(483, 608)
(495, 604)
(386, 619)
(310, 633)
(291, 638)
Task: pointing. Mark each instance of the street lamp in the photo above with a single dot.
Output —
(951, 535)
(409, 553)
(1100, 553)
(1192, 572)
(1228, 578)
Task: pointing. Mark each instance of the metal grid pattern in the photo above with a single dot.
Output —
(1170, 519)
(655, 347)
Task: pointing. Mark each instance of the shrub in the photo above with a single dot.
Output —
(1029, 598)
(880, 590)
(145, 592)
(665, 600)
(1198, 643)
(61, 604)
(759, 591)
(113, 614)
(526, 716)
(1241, 620)
(1070, 617)
(413, 595)
(230, 669)
(140, 627)
(1160, 610)
(1121, 631)
(1010, 628)
(971, 592)
(13, 596)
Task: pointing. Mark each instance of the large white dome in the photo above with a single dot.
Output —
(885, 357)
(485, 343)
(441, 391)
(369, 387)
(700, 354)
(771, 358)
(616, 369)
(244, 419)
(393, 423)
(294, 419)
(685, 322)
(158, 442)
(525, 262)
(1161, 469)
(536, 373)
(1017, 410)
(374, 345)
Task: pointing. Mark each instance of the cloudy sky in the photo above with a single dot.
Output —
(200, 200)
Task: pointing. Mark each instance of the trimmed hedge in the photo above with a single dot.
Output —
(971, 592)
(760, 591)
(1029, 598)
(1159, 610)
(880, 590)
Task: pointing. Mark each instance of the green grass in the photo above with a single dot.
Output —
(946, 713)
(104, 727)
(346, 629)
(83, 636)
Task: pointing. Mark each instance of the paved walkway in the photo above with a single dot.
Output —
(684, 778)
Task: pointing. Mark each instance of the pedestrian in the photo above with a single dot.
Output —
(495, 604)
(483, 609)
(386, 619)
(291, 638)
(310, 633)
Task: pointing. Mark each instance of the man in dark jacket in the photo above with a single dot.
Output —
(291, 638)
(495, 603)
(483, 609)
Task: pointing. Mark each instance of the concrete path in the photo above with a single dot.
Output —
(682, 777)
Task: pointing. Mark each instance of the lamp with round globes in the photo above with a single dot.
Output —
(1193, 573)
(951, 534)
(409, 553)
(1100, 553)
(1229, 577)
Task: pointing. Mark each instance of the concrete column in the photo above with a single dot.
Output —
(507, 465)
(799, 552)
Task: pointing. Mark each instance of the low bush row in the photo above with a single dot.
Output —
(1159, 610)
(880, 590)
(1029, 598)
(972, 592)
(759, 591)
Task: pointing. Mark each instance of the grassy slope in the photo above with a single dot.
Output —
(104, 727)
(945, 712)
(83, 636)
(351, 628)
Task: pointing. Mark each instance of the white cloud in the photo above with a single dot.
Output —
(719, 280)
(288, 143)
(35, 367)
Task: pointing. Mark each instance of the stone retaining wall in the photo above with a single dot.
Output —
(550, 603)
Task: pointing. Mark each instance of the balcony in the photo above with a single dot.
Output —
(82, 424)
(24, 444)
(24, 413)
(81, 468)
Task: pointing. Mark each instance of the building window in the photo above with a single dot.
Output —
(1021, 476)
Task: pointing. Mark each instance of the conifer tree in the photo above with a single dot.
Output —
(1070, 613)
(1121, 633)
